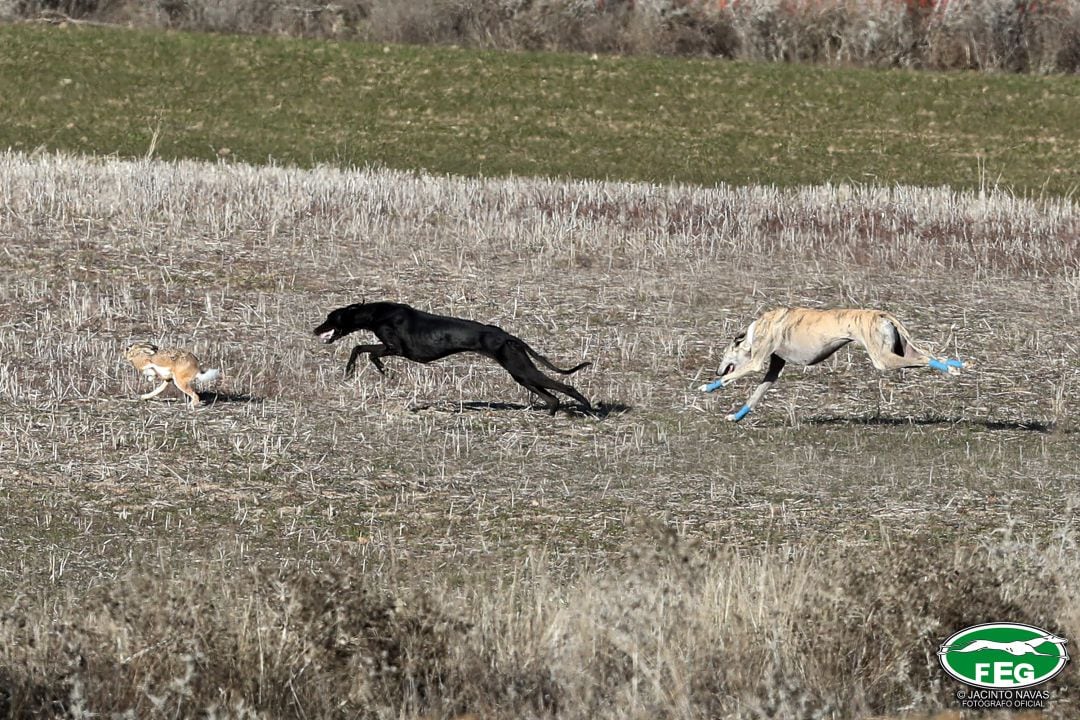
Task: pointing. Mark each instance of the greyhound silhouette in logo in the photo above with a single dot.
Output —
(1016, 647)
(1003, 656)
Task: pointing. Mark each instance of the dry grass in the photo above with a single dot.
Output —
(519, 543)
(676, 632)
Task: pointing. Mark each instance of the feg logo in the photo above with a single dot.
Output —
(1003, 656)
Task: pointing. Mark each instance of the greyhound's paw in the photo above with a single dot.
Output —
(939, 365)
(949, 366)
(739, 415)
(713, 386)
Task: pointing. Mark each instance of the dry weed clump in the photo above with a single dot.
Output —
(202, 642)
(912, 595)
(675, 631)
(996, 35)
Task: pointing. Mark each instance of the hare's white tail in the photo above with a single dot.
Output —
(206, 377)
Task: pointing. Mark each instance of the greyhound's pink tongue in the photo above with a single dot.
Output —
(327, 336)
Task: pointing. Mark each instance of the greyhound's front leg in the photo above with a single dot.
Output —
(776, 364)
(755, 365)
(376, 351)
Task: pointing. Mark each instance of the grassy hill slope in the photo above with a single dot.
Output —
(100, 90)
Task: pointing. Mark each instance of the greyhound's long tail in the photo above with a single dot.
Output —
(547, 363)
(206, 377)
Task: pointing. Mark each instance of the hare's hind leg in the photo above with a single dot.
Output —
(156, 392)
(188, 389)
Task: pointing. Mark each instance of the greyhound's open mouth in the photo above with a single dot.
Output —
(328, 336)
(730, 368)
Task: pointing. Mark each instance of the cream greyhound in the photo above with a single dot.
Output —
(805, 336)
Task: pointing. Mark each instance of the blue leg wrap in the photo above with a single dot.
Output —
(714, 385)
(938, 365)
(743, 412)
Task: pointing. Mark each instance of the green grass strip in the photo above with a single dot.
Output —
(447, 110)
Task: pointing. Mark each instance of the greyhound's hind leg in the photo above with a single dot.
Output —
(888, 350)
(515, 362)
(893, 351)
(549, 399)
(566, 390)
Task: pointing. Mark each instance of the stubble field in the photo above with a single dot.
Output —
(651, 561)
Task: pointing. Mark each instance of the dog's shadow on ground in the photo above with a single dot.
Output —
(600, 410)
(1037, 426)
(214, 398)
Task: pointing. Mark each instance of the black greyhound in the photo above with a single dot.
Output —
(423, 337)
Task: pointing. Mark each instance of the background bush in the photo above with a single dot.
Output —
(1038, 36)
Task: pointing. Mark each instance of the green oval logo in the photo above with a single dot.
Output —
(1003, 656)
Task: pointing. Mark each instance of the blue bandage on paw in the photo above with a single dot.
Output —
(743, 412)
(713, 386)
(954, 362)
(938, 365)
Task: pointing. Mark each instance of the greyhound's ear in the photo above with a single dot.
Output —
(740, 337)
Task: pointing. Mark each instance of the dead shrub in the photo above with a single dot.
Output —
(995, 35)
(693, 31)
